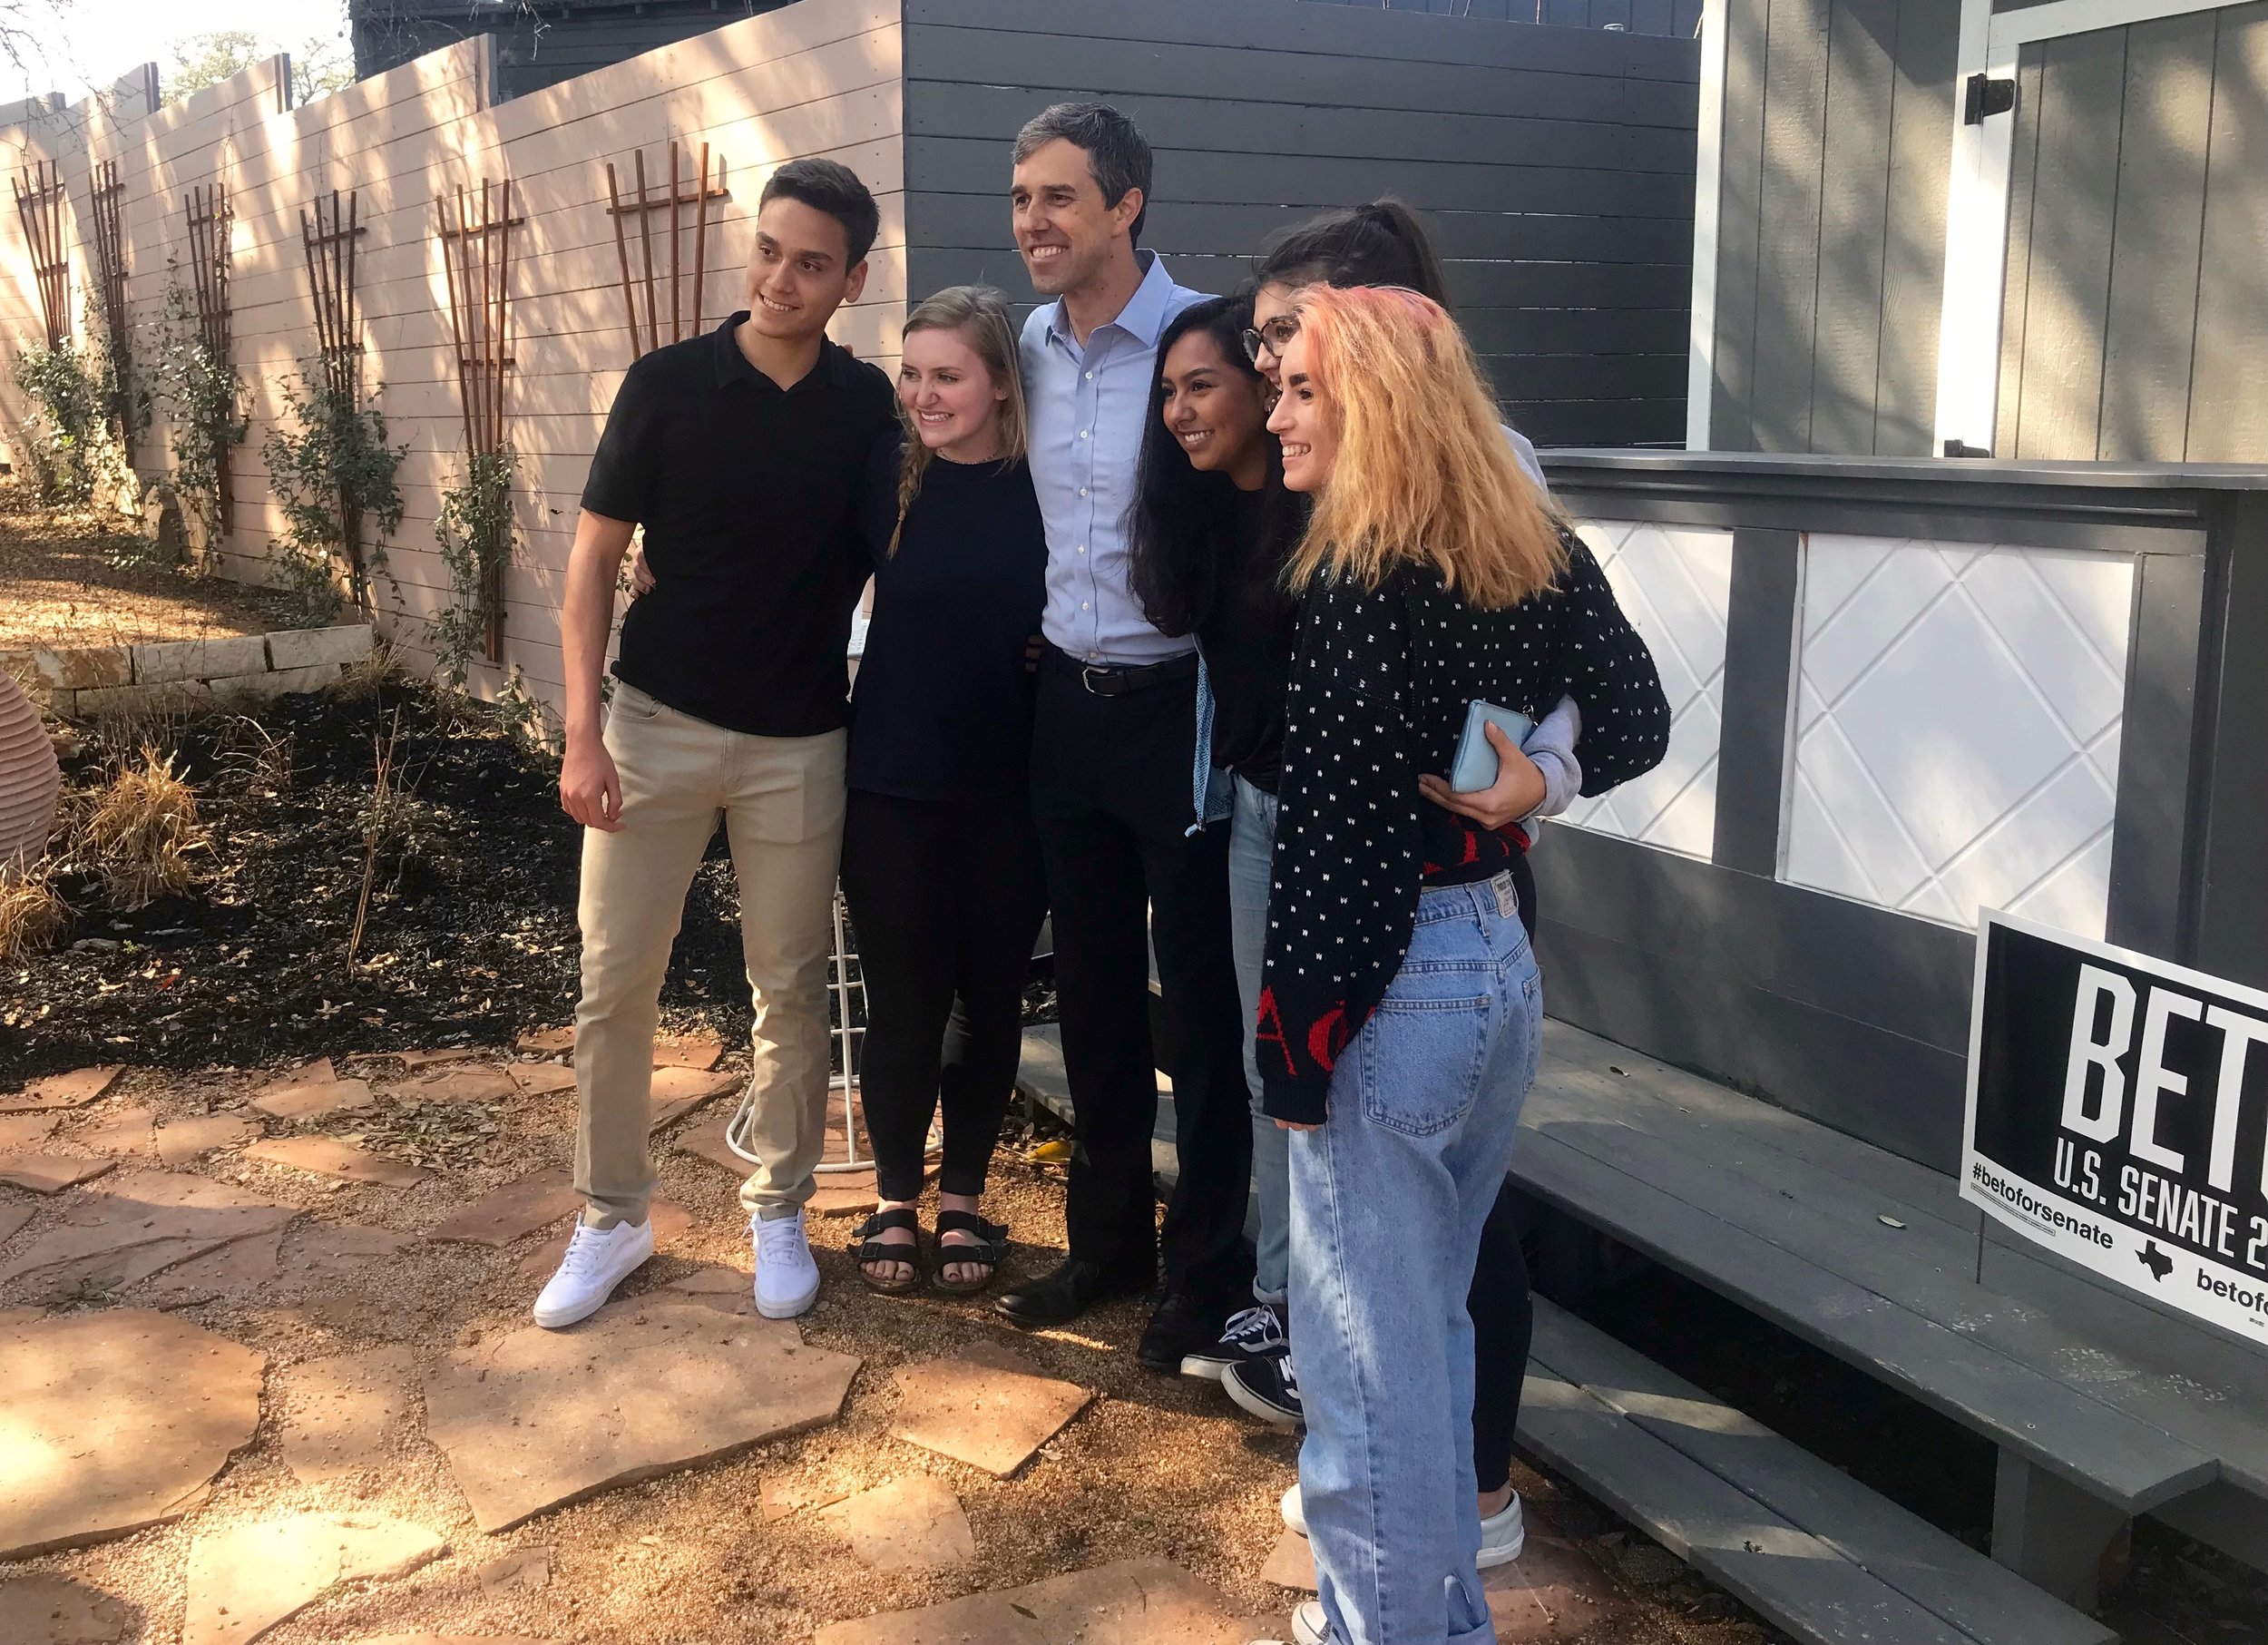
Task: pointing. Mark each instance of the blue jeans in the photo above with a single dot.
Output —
(1387, 1201)
(1251, 861)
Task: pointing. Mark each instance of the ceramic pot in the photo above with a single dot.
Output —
(29, 779)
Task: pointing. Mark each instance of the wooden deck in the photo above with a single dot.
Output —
(2102, 1406)
(1825, 1558)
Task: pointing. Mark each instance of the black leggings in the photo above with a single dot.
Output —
(945, 899)
(1503, 1316)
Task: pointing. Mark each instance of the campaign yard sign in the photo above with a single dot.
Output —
(2118, 1115)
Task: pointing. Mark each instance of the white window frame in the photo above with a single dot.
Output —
(1708, 182)
(1977, 200)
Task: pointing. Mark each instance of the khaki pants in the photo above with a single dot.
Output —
(782, 802)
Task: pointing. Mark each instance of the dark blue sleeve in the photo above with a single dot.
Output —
(878, 498)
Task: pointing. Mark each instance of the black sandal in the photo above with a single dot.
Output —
(988, 1250)
(870, 1249)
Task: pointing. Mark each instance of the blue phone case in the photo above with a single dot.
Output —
(1476, 763)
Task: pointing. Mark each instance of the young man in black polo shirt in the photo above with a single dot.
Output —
(740, 452)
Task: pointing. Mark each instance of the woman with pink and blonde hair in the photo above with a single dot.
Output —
(1401, 1004)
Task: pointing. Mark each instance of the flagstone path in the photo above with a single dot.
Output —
(263, 1378)
(988, 1407)
(532, 1419)
(46, 1609)
(1132, 1603)
(914, 1523)
(115, 1421)
(243, 1579)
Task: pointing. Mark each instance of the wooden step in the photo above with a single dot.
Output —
(1790, 1223)
(1808, 1548)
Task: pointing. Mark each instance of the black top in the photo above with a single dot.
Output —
(1380, 688)
(748, 494)
(942, 708)
(1246, 638)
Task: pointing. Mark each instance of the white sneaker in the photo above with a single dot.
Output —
(1503, 1534)
(787, 1279)
(597, 1260)
(1311, 1625)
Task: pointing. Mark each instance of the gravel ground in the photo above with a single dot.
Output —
(86, 579)
(1155, 1465)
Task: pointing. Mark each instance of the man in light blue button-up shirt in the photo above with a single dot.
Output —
(1113, 745)
(1086, 397)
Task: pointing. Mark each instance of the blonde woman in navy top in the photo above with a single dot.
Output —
(941, 864)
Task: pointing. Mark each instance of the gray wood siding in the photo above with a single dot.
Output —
(2228, 412)
(536, 51)
(1554, 166)
(1680, 19)
(1831, 219)
(2135, 314)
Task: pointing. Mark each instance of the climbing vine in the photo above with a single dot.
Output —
(332, 471)
(473, 529)
(204, 404)
(86, 404)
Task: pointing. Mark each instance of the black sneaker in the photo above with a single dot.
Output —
(1250, 1333)
(1182, 1326)
(1267, 1387)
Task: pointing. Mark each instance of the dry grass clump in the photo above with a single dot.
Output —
(139, 831)
(363, 675)
(260, 759)
(32, 916)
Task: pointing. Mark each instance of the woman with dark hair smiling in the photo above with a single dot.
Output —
(1211, 525)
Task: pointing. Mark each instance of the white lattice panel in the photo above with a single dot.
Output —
(1675, 585)
(1957, 724)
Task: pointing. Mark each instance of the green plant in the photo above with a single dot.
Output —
(204, 406)
(332, 471)
(525, 718)
(90, 405)
(474, 529)
(72, 390)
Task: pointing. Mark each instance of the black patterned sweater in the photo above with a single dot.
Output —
(1380, 688)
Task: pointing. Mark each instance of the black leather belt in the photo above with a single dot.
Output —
(1104, 679)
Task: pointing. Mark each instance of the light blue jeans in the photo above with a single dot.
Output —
(1251, 861)
(1387, 1201)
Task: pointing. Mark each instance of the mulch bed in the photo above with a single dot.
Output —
(471, 929)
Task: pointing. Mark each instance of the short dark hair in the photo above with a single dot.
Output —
(1117, 154)
(1378, 244)
(829, 186)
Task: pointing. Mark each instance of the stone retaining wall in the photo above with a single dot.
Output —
(186, 673)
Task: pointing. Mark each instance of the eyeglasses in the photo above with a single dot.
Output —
(1274, 337)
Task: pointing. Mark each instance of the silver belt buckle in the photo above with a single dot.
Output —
(1507, 893)
(1086, 679)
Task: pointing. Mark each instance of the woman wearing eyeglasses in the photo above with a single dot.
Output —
(1379, 244)
(1401, 1007)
